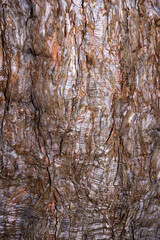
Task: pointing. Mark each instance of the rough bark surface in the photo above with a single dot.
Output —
(79, 115)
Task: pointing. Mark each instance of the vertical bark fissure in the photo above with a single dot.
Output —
(6, 108)
(31, 12)
(40, 135)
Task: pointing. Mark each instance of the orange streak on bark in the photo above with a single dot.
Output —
(55, 54)
(47, 160)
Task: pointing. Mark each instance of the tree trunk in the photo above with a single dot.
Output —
(80, 130)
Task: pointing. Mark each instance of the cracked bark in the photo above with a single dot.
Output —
(79, 140)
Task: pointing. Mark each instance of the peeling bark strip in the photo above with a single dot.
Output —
(79, 117)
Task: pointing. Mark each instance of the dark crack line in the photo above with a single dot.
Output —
(60, 148)
(38, 135)
(55, 232)
(31, 11)
(113, 235)
(118, 168)
(132, 227)
(110, 134)
(82, 3)
(6, 108)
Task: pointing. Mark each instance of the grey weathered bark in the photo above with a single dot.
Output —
(80, 153)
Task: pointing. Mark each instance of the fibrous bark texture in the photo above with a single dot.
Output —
(80, 130)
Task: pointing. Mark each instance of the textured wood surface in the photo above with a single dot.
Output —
(79, 115)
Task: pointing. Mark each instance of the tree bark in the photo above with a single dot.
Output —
(80, 124)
